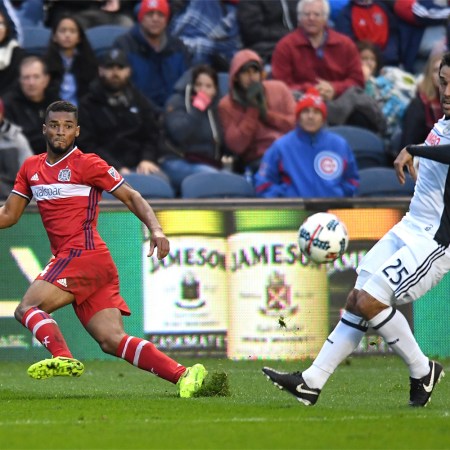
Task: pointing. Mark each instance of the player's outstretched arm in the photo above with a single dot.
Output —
(144, 212)
(12, 210)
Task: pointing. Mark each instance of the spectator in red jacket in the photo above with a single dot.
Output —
(372, 21)
(255, 112)
(314, 55)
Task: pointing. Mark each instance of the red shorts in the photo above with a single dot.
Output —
(91, 276)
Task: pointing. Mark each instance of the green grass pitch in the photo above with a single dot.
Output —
(116, 406)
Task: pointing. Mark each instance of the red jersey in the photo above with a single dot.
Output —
(67, 195)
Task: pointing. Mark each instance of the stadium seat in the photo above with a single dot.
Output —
(35, 39)
(216, 185)
(383, 182)
(367, 146)
(149, 186)
(395, 143)
(224, 85)
(102, 37)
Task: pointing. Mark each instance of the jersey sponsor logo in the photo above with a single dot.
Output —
(328, 165)
(54, 191)
(113, 172)
(64, 175)
(432, 139)
(43, 192)
(35, 177)
(62, 282)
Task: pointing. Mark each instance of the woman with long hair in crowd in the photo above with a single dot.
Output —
(71, 61)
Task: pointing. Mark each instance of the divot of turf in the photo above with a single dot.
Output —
(216, 385)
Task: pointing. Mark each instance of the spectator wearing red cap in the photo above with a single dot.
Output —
(310, 161)
(255, 112)
(14, 149)
(157, 59)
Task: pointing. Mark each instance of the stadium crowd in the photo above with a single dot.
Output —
(180, 87)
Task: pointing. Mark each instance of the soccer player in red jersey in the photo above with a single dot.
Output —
(67, 185)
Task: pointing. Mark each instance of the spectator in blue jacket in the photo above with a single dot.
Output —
(157, 59)
(309, 161)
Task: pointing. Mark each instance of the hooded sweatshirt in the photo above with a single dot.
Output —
(246, 134)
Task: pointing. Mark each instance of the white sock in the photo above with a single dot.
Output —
(340, 344)
(394, 328)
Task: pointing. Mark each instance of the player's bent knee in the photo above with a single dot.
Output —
(20, 311)
(350, 304)
(110, 344)
(367, 306)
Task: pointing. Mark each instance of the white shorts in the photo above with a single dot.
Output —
(403, 265)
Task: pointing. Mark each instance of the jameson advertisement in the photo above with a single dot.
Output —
(186, 293)
(234, 284)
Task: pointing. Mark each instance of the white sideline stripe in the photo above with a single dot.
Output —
(7, 423)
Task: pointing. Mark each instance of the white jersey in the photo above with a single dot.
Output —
(427, 208)
(414, 255)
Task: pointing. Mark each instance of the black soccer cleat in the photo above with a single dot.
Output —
(422, 388)
(294, 384)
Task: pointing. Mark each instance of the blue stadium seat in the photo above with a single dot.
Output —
(367, 146)
(216, 185)
(224, 85)
(35, 39)
(102, 37)
(383, 182)
(149, 186)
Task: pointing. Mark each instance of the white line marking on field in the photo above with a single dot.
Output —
(22, 422)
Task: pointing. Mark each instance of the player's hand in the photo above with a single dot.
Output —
(404, 159)
(159, 240)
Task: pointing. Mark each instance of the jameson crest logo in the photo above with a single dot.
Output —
(278, 296)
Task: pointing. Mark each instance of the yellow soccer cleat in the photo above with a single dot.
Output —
(56, 367)
(191, 381)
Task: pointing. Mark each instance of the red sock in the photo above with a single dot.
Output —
(146, 356)
(46, 331)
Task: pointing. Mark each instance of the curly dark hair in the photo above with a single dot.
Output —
(61, 106)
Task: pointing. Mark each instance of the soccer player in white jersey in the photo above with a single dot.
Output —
(67, 185)
(405, 264)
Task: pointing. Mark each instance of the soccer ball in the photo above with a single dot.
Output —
(322, 238)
